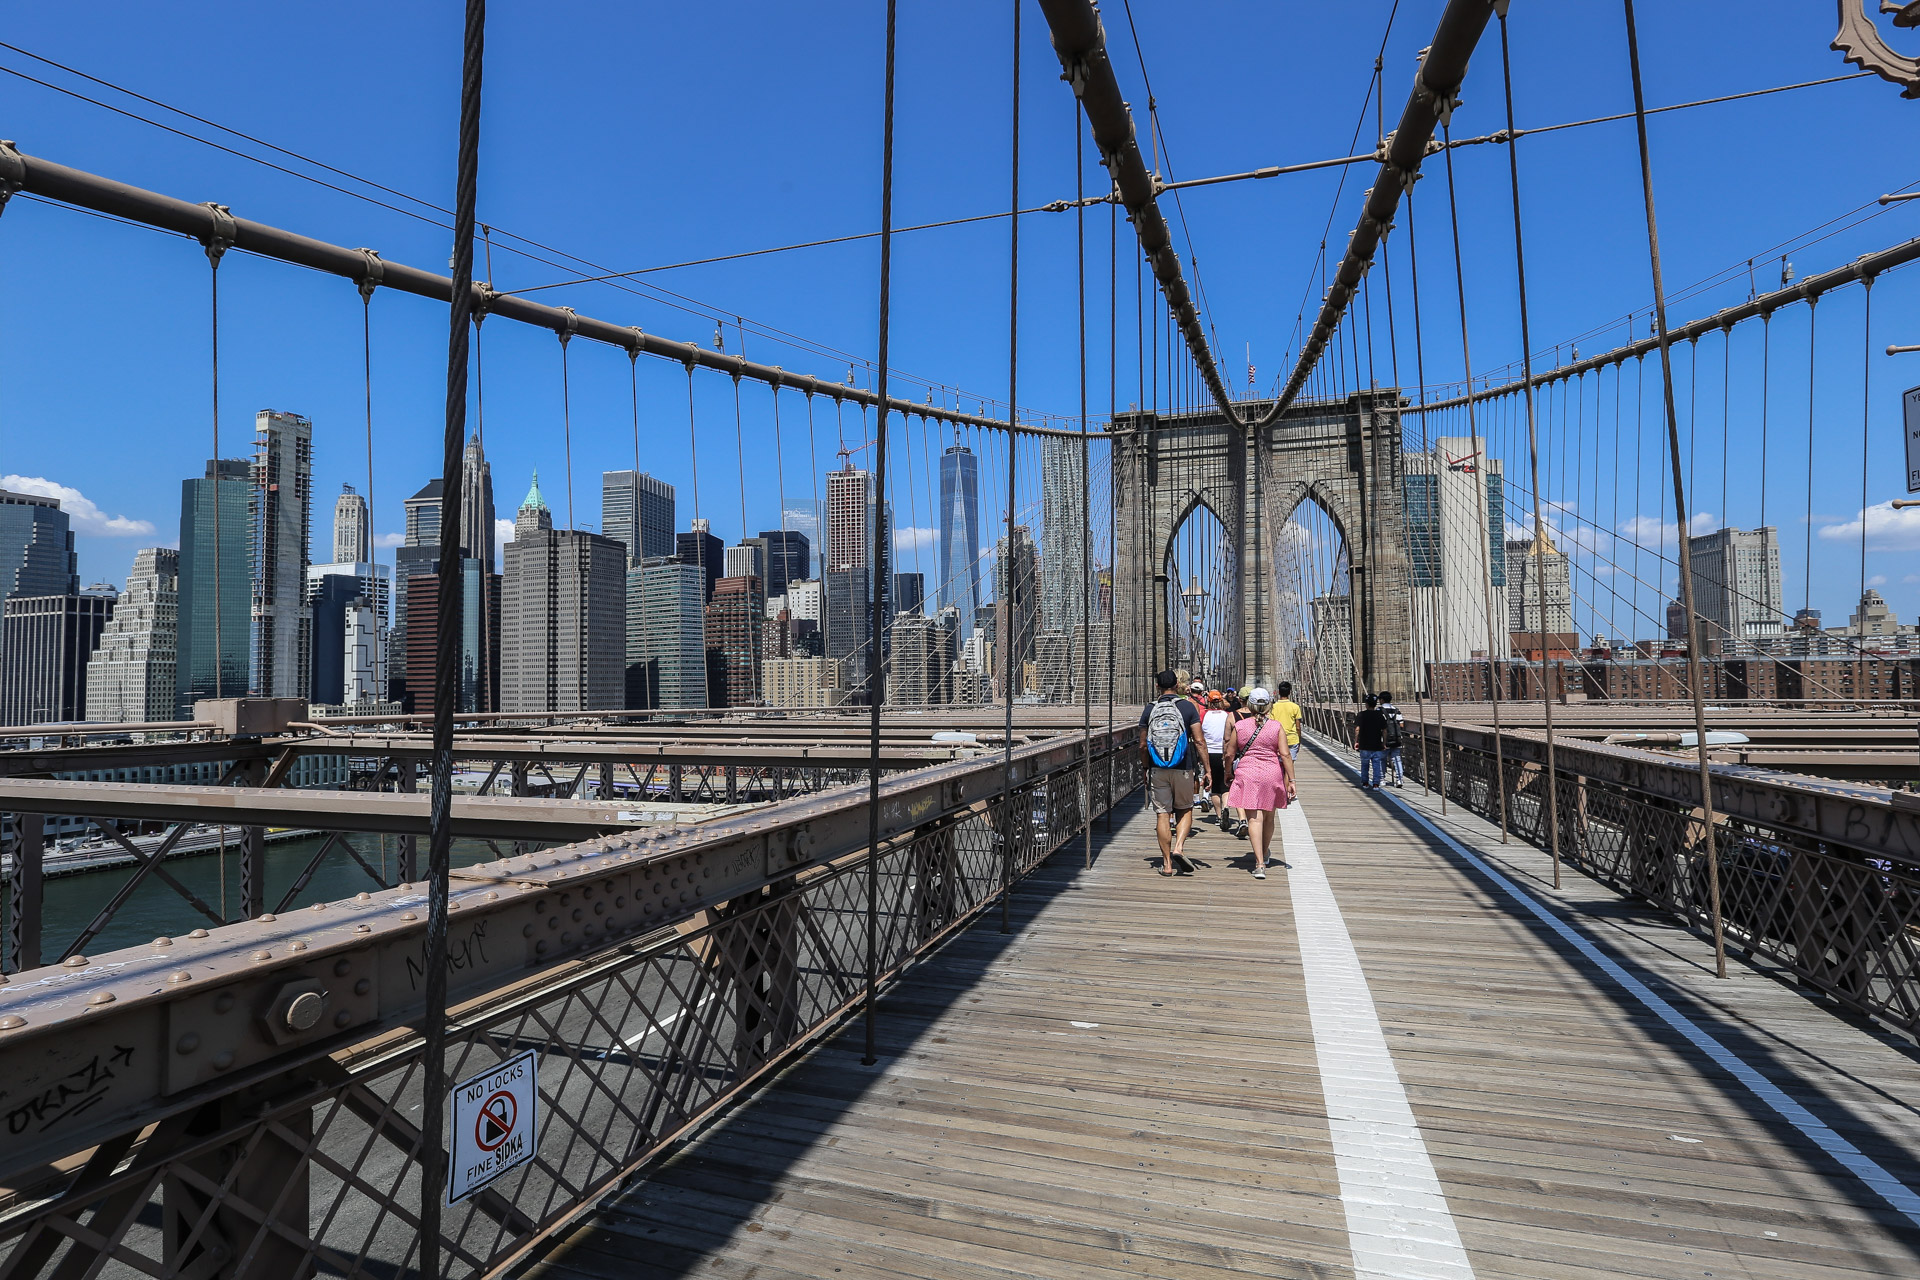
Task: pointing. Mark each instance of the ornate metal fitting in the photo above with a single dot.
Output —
(639, 339)
(13, 172)
(573, 326)
(220, 239)
(1859, 41)
(483, 296)
(376, 272)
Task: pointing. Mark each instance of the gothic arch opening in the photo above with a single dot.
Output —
(1199, 597)
(1313, 603)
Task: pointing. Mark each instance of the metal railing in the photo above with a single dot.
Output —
(136, 867)
(1819, 877)
(655, 984)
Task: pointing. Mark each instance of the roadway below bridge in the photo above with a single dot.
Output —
(1403, 1054)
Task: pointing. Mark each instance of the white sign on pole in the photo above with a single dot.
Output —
(492, 1120)
(1910, 404)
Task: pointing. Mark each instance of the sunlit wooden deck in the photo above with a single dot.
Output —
(1193, 1078)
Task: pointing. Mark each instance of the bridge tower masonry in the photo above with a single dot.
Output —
(1343, 455)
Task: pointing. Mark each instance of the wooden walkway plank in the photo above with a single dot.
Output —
(1184, 1132)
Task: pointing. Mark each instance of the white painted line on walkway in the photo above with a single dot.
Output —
(1398, 1223)
(1857, 1162)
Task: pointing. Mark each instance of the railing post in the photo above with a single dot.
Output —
(409, 855)
(24, 892)
(265, 1185)
(759, 944)
(253, 851)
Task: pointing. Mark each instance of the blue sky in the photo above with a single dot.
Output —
(642, 135)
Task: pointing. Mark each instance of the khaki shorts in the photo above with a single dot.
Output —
(1169, 790)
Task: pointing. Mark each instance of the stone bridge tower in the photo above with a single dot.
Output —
(1343, 455)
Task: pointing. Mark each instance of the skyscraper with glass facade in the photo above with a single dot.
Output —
(216, 584)
(957, 577)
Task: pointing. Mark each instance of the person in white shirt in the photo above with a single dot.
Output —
(1213, 729)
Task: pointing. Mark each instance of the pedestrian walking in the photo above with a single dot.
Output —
(1369, 730)
(1213, 731)
(1289, 714)
(1261, 774)
(1393, 739)
(1173, 752)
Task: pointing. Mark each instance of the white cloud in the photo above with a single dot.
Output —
(387, 541)
(84, 515)
(1651, 531)
(1877, 580)
(910, 539)
(1887, 529)
(502, 533)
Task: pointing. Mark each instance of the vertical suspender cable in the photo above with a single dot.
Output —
(373, 552)
(1482, 469)
(1539, 566)
(1086, 509)
(813, 469)
(1113, 497)
(566, 419)
(216, 249)
(1009, 608)
(1679, 504)
(446, 672)
(1866, 386)
(1426, 445)
(577, 552)
(1727, 388)
(1766, 387)
(1806, 568)
(876, 681)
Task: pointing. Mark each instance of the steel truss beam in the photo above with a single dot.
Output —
(210, 223)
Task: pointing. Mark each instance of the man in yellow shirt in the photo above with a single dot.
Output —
(1288, 713)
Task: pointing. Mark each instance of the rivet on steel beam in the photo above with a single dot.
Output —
(198, 933)
(408, 916)
(296, 945)
(266, 917)
(261, 955)
(12, 1022)
(363, 897)
(222, 1060)
(318, 906)
(179, 975)
(100, 997)
(363, 928)
(75, 962)
(163, 942)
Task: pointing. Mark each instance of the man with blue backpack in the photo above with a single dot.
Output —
(1173, 752)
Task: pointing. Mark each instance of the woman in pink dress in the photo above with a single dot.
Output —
(1261, 770)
